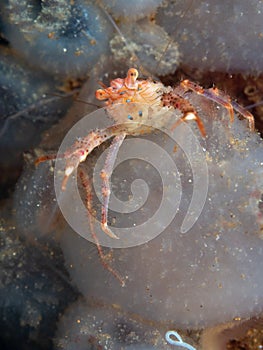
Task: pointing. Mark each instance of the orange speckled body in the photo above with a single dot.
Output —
(132, 90)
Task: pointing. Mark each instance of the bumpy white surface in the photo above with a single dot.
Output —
(85, 326)
(148, 45)
(216, 36)
(68, 39)
(207, 275)
(131, 10)
(56, 36)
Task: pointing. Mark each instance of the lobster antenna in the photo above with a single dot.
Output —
(77, 99)
(24, 112)
(257, 104)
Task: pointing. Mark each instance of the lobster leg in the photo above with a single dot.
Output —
(221, 98)
(90, 211)
(105, 176)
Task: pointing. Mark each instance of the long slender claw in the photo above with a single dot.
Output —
(68, 171)
(45, 158)
(86, 184)
(221, 98)
(108, 231)
(191, 116)
(246, 114)
(105, 176)
(194, 116)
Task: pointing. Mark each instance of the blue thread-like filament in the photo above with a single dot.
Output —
(172, 334)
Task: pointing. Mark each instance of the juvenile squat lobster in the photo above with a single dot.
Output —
(148, 93)
(135, 104)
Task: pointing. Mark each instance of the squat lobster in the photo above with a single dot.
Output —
(137, 106)
(153, 98)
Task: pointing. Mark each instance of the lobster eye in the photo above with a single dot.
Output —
(101, 94)
(132, 72)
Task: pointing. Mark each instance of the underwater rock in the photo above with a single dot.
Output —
(238, 334)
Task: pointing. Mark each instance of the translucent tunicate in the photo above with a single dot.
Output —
(91, 325)
(216, 36)
(147, 44)
(26, 110)
(131, 10)
(59, 36)
(212, 272)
